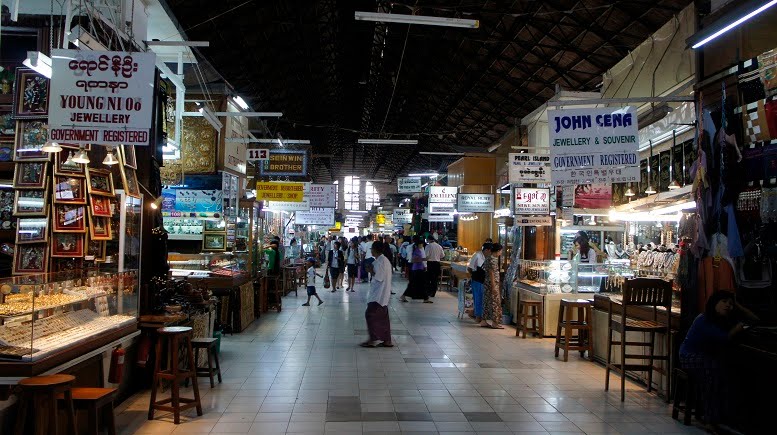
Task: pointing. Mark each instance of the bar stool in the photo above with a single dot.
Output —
(96, 401)
(209, 345)
(42, 391)
(582, 341)
(524, 317)
(686, 397)
(175, 336)
(446, 278)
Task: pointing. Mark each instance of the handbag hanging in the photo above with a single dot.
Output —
(326, 279)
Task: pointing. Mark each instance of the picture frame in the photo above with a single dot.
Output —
(30, 175)
(32, 258)
(67, 245)
(100, 228)
(69, 190)
(211, 226)
(31, 135)
(31, 203)
(214, 242)
(32, 230)
(31, 94)
(62, 167)
(6, 148)
(129, 179)
(69, 218)
(96, 249)
(99, 182)
(128, 156)
(100, 206)
(72, 146)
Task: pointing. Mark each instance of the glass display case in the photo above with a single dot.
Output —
(43, 315)
(230, 189)
(183, 228)
(207, 264)
(249, 235)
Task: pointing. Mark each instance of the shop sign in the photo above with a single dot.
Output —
(532, 221)
(257, 154)
(188, 201)
(531, 201)
(287, 163)
(323, 195)
(101, 97)
(440, 217)
(303, 205)
(442, 195)
(280, 191)
(442, 208)
(408, 184)
(315, 216)
(403, 216)
(475, 203)
(593, 196)
(353, 222)
(529, 168)
(594, 145)
(380, 219)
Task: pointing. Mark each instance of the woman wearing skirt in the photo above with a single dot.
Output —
(416, 287)
(492, 298)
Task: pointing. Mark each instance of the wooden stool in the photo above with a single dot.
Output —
(95, 401)
(446, 278)
(175, 336)
(524, 318)
(685, 397)
(209, 344)
(581, 341)
(41, 391)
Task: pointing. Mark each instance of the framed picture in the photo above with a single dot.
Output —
(7, 222)
(32, 258)
(216, 226)
(31, 203)
(30, 137)
(32, 230)
(31, 95)
(7, 123)
(130, 181)
(69, 190)
(99, 228)
(96, 249)
(100, 182)
(69, 218)
(128, 156)
(30, 175)
(63, 165)
(6, 148)
(67, 245)
(214, 242)
(100, 206)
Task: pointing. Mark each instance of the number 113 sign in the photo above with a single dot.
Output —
(253, 155)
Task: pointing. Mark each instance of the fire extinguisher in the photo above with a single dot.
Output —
(117, 365)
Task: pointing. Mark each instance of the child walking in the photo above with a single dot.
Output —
(310, 281)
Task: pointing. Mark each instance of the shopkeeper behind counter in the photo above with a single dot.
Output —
(583, 251)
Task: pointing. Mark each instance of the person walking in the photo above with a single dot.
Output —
(343, 269)
(478, 277)
(335, 262)
(352, 262)
(377, 313)
(492, 297)
(433, 253)
(416, 287)
(404, 250)
(310, 281)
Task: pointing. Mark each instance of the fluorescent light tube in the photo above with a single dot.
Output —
(439, 153)
(735, 24)
(265, 140)
(178, 43)
(424, 174)
(674, 208)
(416, 19)
(389, 141)
(240, 102)
(39, 62)
(358, 211)
(252, 114)
(494, 147)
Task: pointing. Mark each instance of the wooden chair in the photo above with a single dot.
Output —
(645, 292)
(96, 401)
(524, 318)
(175, 336)
(582, 340)
(40, 394)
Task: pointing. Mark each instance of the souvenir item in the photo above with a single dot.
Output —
(99, 228)
(70, 190)
(214, 242)
(215, 226)
(30, 175)
(100, 206)
(31, 95)
(128, 156)
(30, 203)
(96, 249)
(32, 258)
(100, 182)
(130, 180)
(30, 137)
(32, 230)
(67, 245)
(69, 218)
(64, 165)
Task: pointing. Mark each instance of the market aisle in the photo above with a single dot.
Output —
(301, 371)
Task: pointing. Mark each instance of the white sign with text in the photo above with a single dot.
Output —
(529, 200)
(408, 184)
(323, 195)
(442, 195)
(315, 216)
(257, 154)
(475, 203)
(529, 168)
(402, 216)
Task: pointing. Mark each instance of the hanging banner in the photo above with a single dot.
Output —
(280, 191)
(408, 184)
(315, 216)
(257, 154)
(475, 203)
(532, 221)
(528, 168)
(594, 145)
(287, 163)
(403, 216)
(101, 97)
(531, 201)
(323, 195)
(593, 196)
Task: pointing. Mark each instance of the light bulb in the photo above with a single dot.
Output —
(110, 158)
(51, 147)
(81, 156)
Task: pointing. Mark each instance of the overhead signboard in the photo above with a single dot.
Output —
(191, 202)
(101, 97)
(287, 163)
(442, 208)
(280, 191)
(532, 221)
(528, 168)
(594, 145)
(257, 154)
(315, 216)
(289, 206)
(475, 203)
(403, 216)
(529, 200)
(442, 217)
(442, 195)
(409, 184)
(323, 195)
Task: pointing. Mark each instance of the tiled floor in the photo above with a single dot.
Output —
(301, 371)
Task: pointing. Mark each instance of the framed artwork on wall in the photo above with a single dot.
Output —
(31, 203)
(31, 95)
(67, 245)
(96, 249)
(30, 137)
(65, 166)
(128, 156)
(214, 242)
(100, 182)
(69, 218)
(30, 175)
(100, 206)
(32, 230)
(69, 190)
(99, 228)
(33, 258)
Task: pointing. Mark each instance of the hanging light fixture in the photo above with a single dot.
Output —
(650, 190)
(110, 158)
(156, 203)
(81, 156)
(51, 147)
(629, 192)
(69, 160)
(673, 185)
